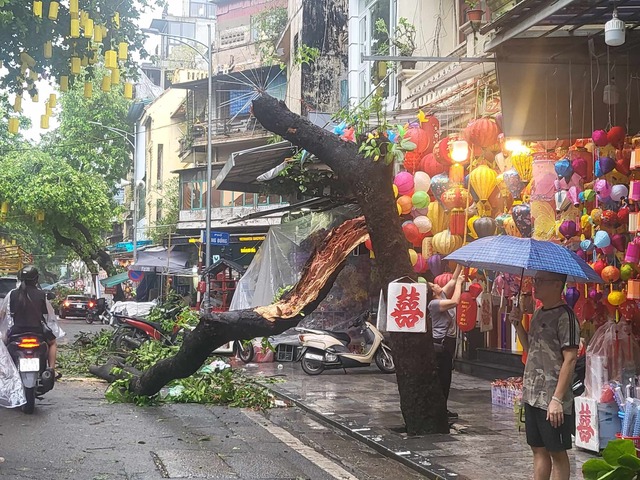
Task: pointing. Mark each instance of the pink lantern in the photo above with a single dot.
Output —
(602, 188)
(634, 190)
(633, 253)
(599, 137)
(404, 182)
(421, 265)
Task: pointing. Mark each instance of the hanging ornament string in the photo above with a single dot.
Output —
(555, 71)
(609, 125)
(570, 103)
(628, 103)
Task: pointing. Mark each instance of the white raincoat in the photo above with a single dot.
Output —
(11, 391)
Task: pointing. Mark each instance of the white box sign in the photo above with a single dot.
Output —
(407, 307)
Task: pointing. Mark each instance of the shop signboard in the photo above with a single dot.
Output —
(217, 238)
(407, 307)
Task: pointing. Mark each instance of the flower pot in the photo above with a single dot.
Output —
(408, 64)
(475, 15)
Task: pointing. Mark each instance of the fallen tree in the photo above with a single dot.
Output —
(369, 182)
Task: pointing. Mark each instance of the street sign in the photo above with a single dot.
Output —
(217, 238)
(135, 276)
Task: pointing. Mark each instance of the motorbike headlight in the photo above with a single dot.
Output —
(331, 357)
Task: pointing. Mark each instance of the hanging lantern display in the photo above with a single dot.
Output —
(522, 218)
(17, 104)
(76, 65)
(53, 10)
(44, 122)
(73, 8)
(97, 33)
(128, 90)
(435, 264)
(485, 227)
(123, 52)
(571, 296)
(106, 83)
(75, 28)
(427, 247)
(40, 216)
(616, 298)
(482, 132)
(88, 89)
(438, 217)
(441, 152)
(110, 59)
(64, 83)
(633, 289)
(47, 51)
(459, 151)
(610, 274)
(483, 181)
(522, 162)
(37, 8)
(14, 125)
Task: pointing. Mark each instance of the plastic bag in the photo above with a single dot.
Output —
(612, 354)
(11, 391)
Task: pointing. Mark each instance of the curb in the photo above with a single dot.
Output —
(369, 436)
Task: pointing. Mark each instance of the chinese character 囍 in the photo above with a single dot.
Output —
(584, 428)
(407, 310)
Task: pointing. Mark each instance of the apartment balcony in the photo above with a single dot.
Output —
(225, 131)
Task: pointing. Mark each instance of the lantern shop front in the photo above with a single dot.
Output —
(454, 188)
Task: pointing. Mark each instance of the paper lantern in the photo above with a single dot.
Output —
(106, 83)
(405, 203)
(633, 222)
(616, 298)
(633, 253)
(44, 122)
(523, 163)
(35, 98)
(53, 11)
(564, 169)
(483, 181)
(37, 8)
(445, 243)
(522, 218)
(64, 83)
(14, 125)
(73, 8)
(599, 137)
(634, 190)
(439, 184)
(610, 274)
(601, 239)
(616, 135)
(123, 52)
(116, 19)
(510, 227)
(514, 183)
(411, 233)
(568, 229)
(442, 153)
(456, 197)
(442, 279)
(427, 247)
(633, 290)
(52, 100)
(17, 104)
(456, 222)
(413, 134)
(482, 132)
(47, 51)
(76, 64)
(404, 182)
(571, 296)
(88, 28)
(88, 89)
(110, 59)
(435, 264)
(599, 266)
(627, 272)
(411, 161)
(456, 173)
(619, 242)
(421, 182)
(430, 165)
(420, 199)
(97, 34)
(459, 151)
(484, 227)
(423, 223)
(75, 28)
(604, 165)
(472, 230)
(421, 265)
(580, 164)
(413, 256)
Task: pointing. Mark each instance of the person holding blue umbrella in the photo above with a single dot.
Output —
(552, 346)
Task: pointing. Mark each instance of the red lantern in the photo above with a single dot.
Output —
(432, 127)
(441, 152)
(456, 197)
(430, 165)
(456, 222)
(467, 312)
(411, 161)
(610, 274)
(598, 266)
(475, 289)
(443, 279)
(419, 137)
(482, 132)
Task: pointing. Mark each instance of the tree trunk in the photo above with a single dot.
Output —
(214, 330)
(421, 399)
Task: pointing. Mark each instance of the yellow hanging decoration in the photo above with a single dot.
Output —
(44, 122)
(75, 28)
(48, 49)
(128, 90)
(53, 10)
(115, 76)
(14, 124)
(75, 65)
(88, 89)
(116, 19)
(106, 83)
(64, 83)
(73, 8)
(110, 59)
(33, 76)
(35, 98)
(53, 101)
(37, 8)
(39, 216)
(92, 57)
(85, 61)
(48, 111)
(84, 16)
(23, 68)
(17, 104)
(123, 50)
(88, 28)
(4, 207)
(97, 34)
(28, 59)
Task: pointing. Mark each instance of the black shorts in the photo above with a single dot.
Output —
(540, 433)
(45, 331)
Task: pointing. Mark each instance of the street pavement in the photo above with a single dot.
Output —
(364, 403)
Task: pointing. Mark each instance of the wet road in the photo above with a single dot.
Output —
(75, 434)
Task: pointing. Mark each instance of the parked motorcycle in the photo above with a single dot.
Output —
(92, 312)
(29, 352)
(324, 349)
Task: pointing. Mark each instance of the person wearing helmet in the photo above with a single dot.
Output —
(29, 308)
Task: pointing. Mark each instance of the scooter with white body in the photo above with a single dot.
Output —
(324, 349)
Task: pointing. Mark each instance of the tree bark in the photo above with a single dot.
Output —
(88, 253)
(214, 330)
(421, 399)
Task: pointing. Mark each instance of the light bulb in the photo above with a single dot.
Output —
(459, 151)
(614, 31)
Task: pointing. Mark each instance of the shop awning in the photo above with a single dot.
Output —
(242, 169)
(115, 280)
(161, 260)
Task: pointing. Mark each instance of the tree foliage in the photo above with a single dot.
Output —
(169, 205)
(22, 32)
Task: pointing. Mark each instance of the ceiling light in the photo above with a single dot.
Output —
(614, 31)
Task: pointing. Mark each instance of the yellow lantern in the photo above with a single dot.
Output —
(28, 59)
(128, 93)
(44, 122)
(88, 89)
(64, 83)
(438, 217)
(73, 8)
(413, 256)
(39, 216)
(17, 104)
(115, 76)
(88, 28)
(97, 34)
(616, 298)
(483, 180)
(445, 243)
(4, 208)
(48, 111)
(106, 83)
(53, 10)
(33, 76)
(427, 247)
(75, 28)
(14, 125)
(52, 100)
(84, 16)
(116, 19)
(48, 49)
(37, 8)
(110, 59)
(35, 98)
(522, 161)
(456, 173)
(23, 68)
(472, 231)
(76, 65)
(123, 50)
(510, 227)
(85, 61)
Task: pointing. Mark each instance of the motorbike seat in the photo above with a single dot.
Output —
(342, 336)
(155, 325)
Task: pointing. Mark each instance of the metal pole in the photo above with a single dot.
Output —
(134, 235)
(209, 186)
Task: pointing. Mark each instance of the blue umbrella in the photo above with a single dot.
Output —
(524, 256)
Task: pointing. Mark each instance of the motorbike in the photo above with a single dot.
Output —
(92, 312)
(29, 352)
(325, 349)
